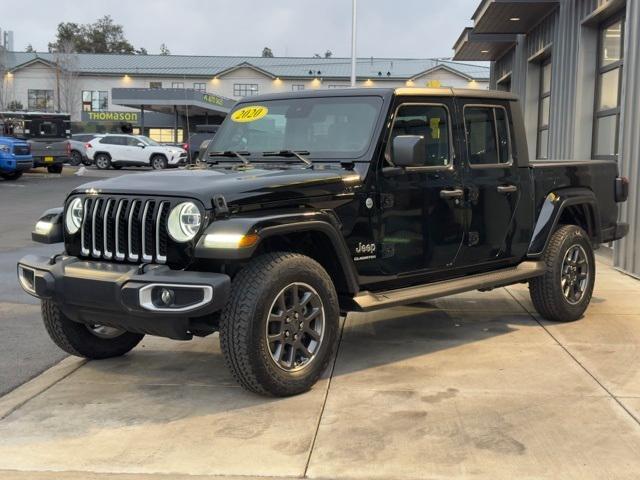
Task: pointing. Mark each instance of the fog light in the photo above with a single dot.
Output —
(27, 277)
(166, 296)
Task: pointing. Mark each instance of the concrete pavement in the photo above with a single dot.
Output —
(471, 386)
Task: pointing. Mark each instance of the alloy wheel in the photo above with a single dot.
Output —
(295, 327)
(574, 274)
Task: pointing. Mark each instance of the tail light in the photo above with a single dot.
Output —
(68, 148)
(88, 145)
(622, 189)
(185, 146)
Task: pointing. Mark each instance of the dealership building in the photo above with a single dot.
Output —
(165, 95)
(576, 66)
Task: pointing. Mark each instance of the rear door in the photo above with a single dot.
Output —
(421, 211)
(492, 184)
(136, 153)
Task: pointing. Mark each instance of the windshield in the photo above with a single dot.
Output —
(147, 140)
(329, 127)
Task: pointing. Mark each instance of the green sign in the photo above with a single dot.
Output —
(212, 99)
(111, 116)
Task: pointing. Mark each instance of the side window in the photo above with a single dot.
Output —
(487, 135)
(430, 122)
(132, 142)
(107, 140)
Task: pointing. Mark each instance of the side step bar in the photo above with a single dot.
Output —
(368, 301)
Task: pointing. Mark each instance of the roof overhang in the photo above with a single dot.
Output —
(185, 101)
(472, 46)
(510, 16)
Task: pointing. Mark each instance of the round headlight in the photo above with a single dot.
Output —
(184, 222)
(73, 217)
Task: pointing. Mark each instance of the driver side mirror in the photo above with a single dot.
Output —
(409, 151)
(141, 145)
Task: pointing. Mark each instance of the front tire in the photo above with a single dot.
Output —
(102, 161)
(563, 293)
(158, 162)
(279, 329)
(11, 176)
(81, 340)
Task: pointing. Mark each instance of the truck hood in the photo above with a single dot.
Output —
(238, 187)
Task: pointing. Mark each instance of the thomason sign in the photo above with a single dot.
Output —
(131, 117)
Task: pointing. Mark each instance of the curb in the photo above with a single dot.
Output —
(34, 387)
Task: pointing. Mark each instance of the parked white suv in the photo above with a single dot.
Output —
(133, 150)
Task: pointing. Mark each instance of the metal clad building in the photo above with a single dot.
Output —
(576, 66)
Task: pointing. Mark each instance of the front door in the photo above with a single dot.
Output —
(492, 182)
(421, 207)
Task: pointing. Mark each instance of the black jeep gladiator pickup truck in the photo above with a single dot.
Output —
(315, 204)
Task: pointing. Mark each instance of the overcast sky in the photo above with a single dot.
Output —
(386, 28)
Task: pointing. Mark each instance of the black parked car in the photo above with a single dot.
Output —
(315, 204)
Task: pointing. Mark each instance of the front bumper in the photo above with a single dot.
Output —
(16, 163)
(126, 296)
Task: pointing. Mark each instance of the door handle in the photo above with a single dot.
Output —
(457, 193)
(507, 188)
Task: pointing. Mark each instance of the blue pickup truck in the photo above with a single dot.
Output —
(15, 157)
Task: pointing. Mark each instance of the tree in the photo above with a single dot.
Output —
(66, 77)
(267, 53)
(328, 54)
(164, 50)
(141, 51)
(14, 105)
(29, 49)
(103, 36)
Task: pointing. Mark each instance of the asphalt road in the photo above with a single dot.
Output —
(25, 348)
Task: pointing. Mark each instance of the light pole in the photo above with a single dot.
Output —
(353, 43)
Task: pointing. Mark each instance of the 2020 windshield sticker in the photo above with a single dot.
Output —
(249, 114)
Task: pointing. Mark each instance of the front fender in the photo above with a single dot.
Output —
(553, 206)
(278, 224)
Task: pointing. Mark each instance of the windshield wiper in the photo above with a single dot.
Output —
(233, 153)
(291, 153)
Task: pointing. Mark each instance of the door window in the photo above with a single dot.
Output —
(430, 122)
(487, 135)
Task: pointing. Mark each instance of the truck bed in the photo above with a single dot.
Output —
(597, 176)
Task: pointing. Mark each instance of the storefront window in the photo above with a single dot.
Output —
(95, 101)
(201, 87)
(607, 106)
(155, 84)
(177, 84)
(542, 149)
(40, 100)
(164, 135)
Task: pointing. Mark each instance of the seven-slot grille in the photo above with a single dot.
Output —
(125, 229)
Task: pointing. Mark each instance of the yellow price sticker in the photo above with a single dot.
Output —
(249, 114)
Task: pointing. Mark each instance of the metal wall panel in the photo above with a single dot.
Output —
(626, 254)
(503, 65)
(541, 36)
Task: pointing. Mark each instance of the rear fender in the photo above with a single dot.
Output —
(552, 208)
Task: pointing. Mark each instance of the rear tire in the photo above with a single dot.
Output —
(57, 168)
(158, 162)
(11, 176)
(563, 293)
(84, 341)
(102, 161)
(279, 329)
